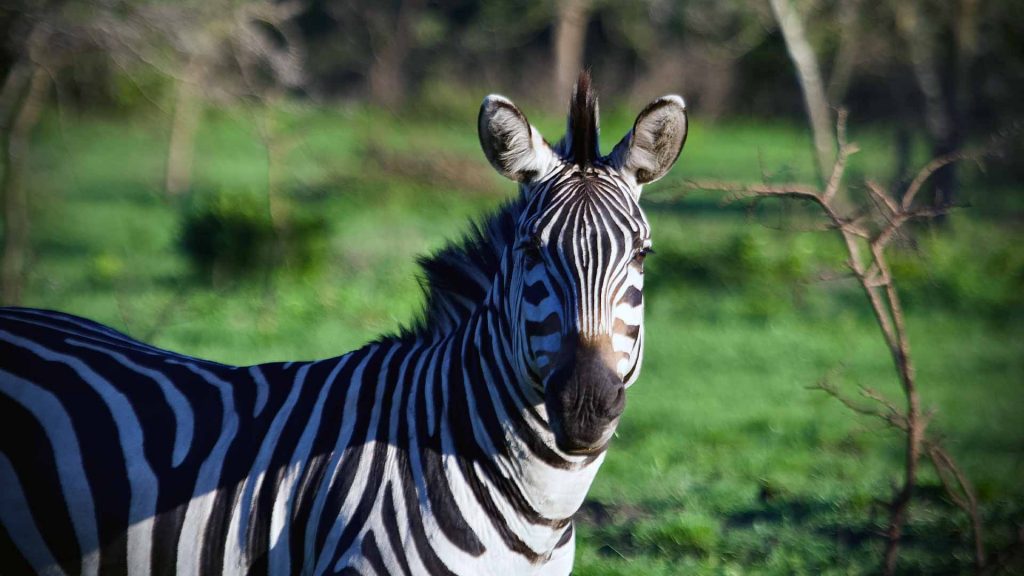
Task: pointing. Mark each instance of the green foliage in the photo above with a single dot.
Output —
(769, 270)
(442, 100)
(971, 268)
(232, 235)
(139, 89)
(106, 268)
(967, 266)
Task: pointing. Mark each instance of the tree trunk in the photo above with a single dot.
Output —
(391, 45)
(846, 55)
(939, 110)
(809, 75)
(966, 50)
(960, 103)
(570, 40)
(25, 90)
(181, 148)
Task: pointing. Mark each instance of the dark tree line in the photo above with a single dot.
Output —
(945, 65)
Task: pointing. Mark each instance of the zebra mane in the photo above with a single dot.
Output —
(581, 144)
(456, 279)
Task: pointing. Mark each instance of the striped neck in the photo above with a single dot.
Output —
(512, 404)
(494, 425)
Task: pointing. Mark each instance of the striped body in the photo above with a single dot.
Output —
(368, 461)
(462, 445)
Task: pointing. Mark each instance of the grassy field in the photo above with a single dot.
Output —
(725, 462)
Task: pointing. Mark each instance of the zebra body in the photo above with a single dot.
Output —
(463, 445)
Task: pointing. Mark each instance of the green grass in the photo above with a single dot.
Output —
(725, 462)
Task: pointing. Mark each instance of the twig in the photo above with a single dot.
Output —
(830, 389)
(879, 194)
(845, 151)
(926, 172)
(961, 493)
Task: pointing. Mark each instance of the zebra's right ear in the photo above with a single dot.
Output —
(515, 149)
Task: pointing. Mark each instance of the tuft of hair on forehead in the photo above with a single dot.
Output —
(583, 132)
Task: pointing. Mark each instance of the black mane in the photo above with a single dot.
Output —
(582, 139)
(456, 278)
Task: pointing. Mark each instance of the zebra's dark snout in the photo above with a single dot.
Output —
(585, 397)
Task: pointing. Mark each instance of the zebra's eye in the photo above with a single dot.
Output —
(530, 248)
(641, 254)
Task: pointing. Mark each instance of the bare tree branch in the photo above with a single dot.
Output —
(880, 195)
(875, 278)
(845, 151)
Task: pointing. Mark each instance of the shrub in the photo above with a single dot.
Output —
(970, 269)
(231, 235)
(105, 268)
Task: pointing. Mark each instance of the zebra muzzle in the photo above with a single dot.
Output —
(585, 398)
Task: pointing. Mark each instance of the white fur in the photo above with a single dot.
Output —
(653, 145)
(514, 147)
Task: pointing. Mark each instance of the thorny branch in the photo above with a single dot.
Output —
(866, 236)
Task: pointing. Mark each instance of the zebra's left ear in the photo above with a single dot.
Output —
(514, 147)
(654, 143)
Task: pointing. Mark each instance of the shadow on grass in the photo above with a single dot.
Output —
(827, 533)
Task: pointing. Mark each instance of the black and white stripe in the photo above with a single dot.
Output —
(450, 448)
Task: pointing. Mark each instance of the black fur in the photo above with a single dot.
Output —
(583, 126)
(584, 397)
(459, 275)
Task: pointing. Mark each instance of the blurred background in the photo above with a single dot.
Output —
(252, 181)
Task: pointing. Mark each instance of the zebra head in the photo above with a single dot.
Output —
(575, 276)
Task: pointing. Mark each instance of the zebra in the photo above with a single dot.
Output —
(461, 444)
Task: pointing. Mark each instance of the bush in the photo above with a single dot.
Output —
(974, 269)
(105, 268)
(231, 235)
(743, 259)
(968, 267)
(768, 274)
